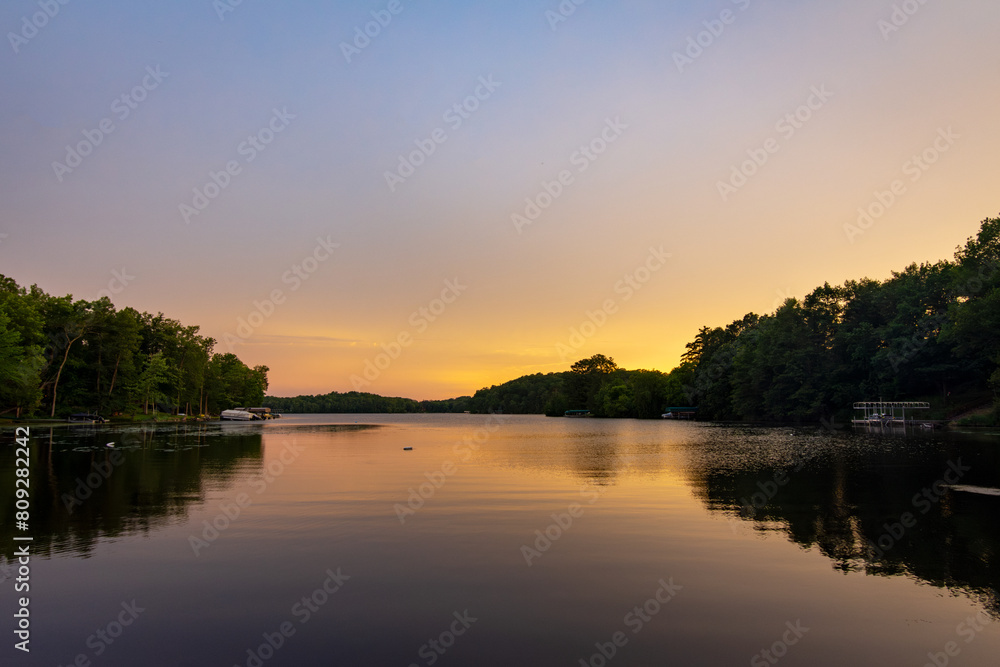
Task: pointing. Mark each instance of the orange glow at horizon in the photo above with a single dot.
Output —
(317, 257)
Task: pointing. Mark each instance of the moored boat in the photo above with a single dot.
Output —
(238, 415)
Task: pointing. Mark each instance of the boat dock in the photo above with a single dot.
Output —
(680, 413)
(890, 413)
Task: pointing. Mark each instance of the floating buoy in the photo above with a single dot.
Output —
(407, 449)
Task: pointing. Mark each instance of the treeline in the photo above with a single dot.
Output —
(930, 332)
(354, 402)
(596, 384)
(59, 356)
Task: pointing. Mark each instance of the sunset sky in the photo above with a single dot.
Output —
(200, 158)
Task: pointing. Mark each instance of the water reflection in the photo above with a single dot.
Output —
(869, 503)
(83, 491)
(881, 505)
(598, 452)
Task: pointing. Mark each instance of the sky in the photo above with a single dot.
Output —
(423, 199)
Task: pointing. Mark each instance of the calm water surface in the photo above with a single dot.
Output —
(505, 540)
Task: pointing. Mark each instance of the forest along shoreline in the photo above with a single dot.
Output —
(929, 333)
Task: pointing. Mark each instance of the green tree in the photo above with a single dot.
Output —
(648, 393)
(121, 350)
(67, 321)
(231, 383)
(614, 399)
(149, 386)
(21, 369)
(585, 380)
(974, 315)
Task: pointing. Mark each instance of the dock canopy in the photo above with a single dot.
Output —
(680, 413)
(884, 405)
(886, 412)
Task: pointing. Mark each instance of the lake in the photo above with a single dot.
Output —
(504, 540)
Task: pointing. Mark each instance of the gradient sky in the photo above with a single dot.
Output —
(887, 95)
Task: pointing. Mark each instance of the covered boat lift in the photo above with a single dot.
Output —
(887, 413)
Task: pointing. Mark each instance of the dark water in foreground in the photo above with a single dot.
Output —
(504, 541)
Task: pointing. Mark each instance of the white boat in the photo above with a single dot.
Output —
(237, 415)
